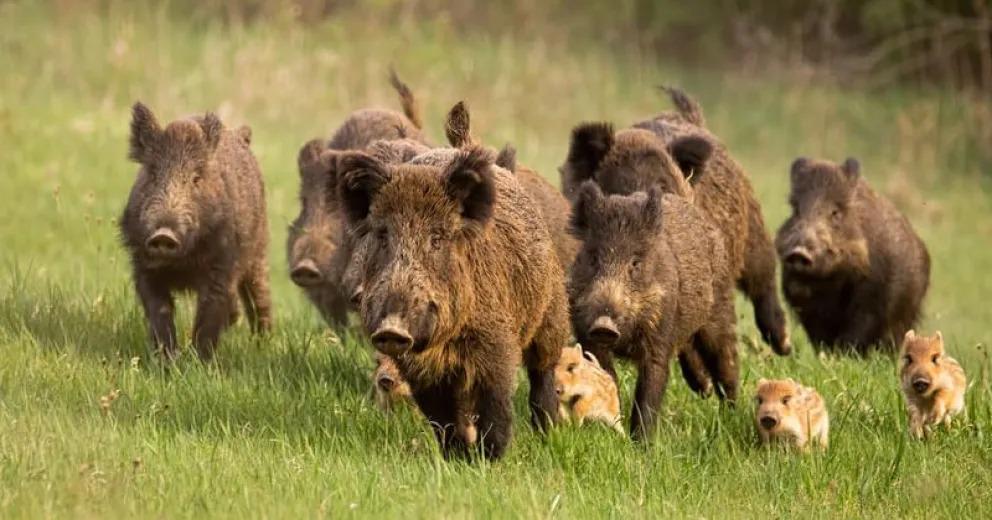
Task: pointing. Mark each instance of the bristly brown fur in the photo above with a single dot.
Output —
(653, 267)
(854, 270)
(200, 185)
(672, 151)
(474, 304)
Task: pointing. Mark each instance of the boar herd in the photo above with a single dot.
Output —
(463, 264)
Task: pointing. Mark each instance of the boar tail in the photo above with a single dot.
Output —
(686, 106)
(410, 106)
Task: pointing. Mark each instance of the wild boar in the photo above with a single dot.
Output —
(853, 270)
(462, 284)
(675, 152)
(791, 412)
(195, 220)
(317, 250)
(651, 280)
(933, 383)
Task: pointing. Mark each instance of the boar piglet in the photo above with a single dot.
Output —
(461, 285)
(853, 269)
(933, 383)
(673, 151)
(651, 281)
(195, 220)
(318, 251)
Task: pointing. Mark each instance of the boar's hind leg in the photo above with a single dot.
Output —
(159, 310)
(758, 283)
(254, 291)
(694, 371)
(717, 342)
(213, 312)
(541, 358)
(652, 379)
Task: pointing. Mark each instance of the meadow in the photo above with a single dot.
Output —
(93, 426)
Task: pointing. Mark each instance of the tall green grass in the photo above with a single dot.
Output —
(282, 426)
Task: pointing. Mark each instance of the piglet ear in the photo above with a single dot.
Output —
(851, 168)
(458, 126)
(592, 359)
(587, 203)
(362, 176)
(212, 128)
(691, 153)
(591, 142)
(468, 180)
(145, 133)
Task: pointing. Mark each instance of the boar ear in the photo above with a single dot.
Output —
(212, 128)
(761, 382)
(587, 202)
(469, 181)
(798, 168)
(653, 206)
(910, 336)
(362, 177)
(590, 144)
(458, 126)
(145, 133)
(691, 153)
(507, 158)
(309, 155)
(851, 168)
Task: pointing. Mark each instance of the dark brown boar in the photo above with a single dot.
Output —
(462, 284)
(853, 269)
(195, 220)
(675, 152)
(651, 281)
(554, 207)
(317, 249)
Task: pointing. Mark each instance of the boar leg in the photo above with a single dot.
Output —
(213, 310)
(543, 399)
(437, 403)
(254, 291)
(694, 371)
(758, 283)
(159, 310)
(495, 422)
(541, 358)
(652, 379)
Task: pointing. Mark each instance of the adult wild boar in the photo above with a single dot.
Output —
(462, 284)
(195, 220)
(651, 280)
(853, 269)
(317, 249)
(675, 152)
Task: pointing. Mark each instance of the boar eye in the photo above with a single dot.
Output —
(936, 358)
(635, 266)
(382, 232)
(436, 240)
(760, 400)
(571, 367)
(836, 213)
(785, 400)
(196, 179)
(908, 359)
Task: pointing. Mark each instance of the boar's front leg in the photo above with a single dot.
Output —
(652, 380)
(213, 310)
(493, 393)
(437, 402)
(541, 358)
(254, 291)
(159, 310)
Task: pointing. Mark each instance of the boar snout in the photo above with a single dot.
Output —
(163, 242)
(306, 274)
(604, 330)
(768, 422)
(799, 258)
(392, 337)
(921, 384)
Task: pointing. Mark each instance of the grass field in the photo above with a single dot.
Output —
(282, 426)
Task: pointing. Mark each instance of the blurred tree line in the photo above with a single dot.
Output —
(873, 42)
